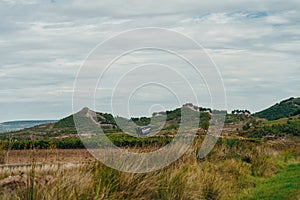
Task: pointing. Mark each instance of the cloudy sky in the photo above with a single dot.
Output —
(255, 44)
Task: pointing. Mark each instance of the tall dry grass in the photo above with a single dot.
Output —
(224, 173)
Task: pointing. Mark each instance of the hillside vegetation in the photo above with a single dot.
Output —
(237, 124)
(65, 128)
(253, 159)
(272, 129)
(286, 108)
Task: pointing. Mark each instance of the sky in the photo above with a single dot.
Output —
(254, 44)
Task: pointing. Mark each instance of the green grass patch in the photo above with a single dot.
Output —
(278, 121)
(284, 185)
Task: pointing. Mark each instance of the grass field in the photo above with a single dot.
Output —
(48, 156)
(284, 185)
(235, 169)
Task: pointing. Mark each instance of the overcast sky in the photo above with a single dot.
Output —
(255, 44)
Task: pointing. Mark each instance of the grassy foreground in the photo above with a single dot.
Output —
(284, 185)
(235, 169)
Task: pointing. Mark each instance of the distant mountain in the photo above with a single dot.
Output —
(286, 108)
(65, 128)
(18, 125)
(165, 123)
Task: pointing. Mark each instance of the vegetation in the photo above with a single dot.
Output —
(106, 119)
(235, 118)
(121, 140)
(143, 121)
(67, 122)
(275, 129)
(254, 159)
(286, 108)
(241, 112)
(284, 185)
(233, 170)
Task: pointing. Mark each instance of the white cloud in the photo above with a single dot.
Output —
(2, 74)
(42, 44)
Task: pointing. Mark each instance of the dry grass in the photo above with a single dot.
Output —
(227, 171)
(46, 156)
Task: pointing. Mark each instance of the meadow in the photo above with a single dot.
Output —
(235, 169)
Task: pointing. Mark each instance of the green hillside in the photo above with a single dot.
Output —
(286, 108)
(283, 119)
(65, 128)
(275, 129)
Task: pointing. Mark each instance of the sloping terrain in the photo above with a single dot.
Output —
(65, 128)
(64, 133)
(286, 108)
(19, 125)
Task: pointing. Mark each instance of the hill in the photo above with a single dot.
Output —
(18, 125)
(286, 108)
(65, 128)
(164, 126)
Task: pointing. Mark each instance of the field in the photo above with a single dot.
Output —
(47, 156)
(235, 169)
(285, 183)
(254, 159)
